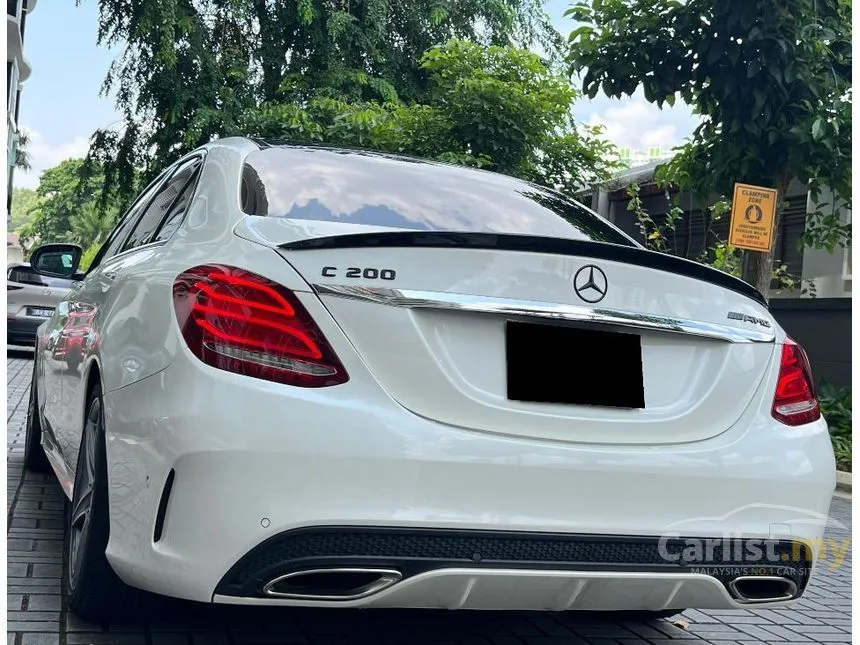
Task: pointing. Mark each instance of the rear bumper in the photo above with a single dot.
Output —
(566, 564)
(254, 461)
(544, 590)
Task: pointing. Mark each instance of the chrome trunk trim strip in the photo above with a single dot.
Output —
(413, 299)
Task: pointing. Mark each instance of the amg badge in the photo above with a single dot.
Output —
(734, 315)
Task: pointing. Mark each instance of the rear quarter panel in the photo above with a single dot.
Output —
(134, 333)
(138, 332)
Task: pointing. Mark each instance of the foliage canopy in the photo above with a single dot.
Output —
(66, 208)
(23, 201)
(493, 107)
(192, 70)
(771, 80)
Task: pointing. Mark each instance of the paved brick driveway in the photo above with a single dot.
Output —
(36, 615)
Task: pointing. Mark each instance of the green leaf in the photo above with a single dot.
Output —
(760, 97)
(584, 30)
(754, 68)
(776, 72)
(817, 129)
(714, 54)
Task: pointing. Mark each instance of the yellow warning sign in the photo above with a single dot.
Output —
(753, 215)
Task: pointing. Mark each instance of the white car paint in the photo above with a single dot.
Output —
(422, 435)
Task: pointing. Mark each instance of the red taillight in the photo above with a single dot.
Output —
(241, 322)
(795, 402)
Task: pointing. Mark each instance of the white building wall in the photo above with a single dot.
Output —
(829, 272)
(18, 70)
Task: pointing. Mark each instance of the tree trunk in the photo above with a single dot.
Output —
(757, 270)
(758, 265)
(271, 58)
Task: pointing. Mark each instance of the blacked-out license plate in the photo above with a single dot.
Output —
(569, 365)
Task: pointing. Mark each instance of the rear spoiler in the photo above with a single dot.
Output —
(534, 244)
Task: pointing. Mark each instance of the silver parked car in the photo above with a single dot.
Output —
(30, 300)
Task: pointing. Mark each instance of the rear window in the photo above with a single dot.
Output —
(26, 275)
(375, 190)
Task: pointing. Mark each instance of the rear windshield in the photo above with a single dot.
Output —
(26, 275)
(374, 190)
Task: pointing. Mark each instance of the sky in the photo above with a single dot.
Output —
(61, 105)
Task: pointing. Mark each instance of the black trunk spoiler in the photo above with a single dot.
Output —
(534, 244)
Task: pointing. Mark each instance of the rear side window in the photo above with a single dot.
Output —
(164, 201)
(375, 190)
(176, 214)
(26, 275)
(125, 224)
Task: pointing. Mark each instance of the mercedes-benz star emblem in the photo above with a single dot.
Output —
(590, 283)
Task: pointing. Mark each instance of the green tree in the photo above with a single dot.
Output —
(190, 71)
(501, 102)
(91, 224)
(499, 108)
(771, 80)
(66, 208)
(89, 255)
(23, 202)
(22, 151)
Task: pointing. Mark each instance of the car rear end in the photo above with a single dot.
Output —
(30, 300)
(382, 406)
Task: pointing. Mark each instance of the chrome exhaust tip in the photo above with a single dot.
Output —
(342, 583)
(753, 589)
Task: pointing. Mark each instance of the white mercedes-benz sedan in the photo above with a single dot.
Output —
(321, 377)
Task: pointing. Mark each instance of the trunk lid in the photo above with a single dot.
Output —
(429, 315)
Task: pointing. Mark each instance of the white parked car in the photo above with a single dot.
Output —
(30, 299)
(324, 377)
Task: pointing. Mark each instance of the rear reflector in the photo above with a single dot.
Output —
(244, 323)
(795, 402)
(162, 506)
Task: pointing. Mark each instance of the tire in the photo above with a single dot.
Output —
(93, 590)
(34, 455)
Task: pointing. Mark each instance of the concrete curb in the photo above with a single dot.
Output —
(843, 481)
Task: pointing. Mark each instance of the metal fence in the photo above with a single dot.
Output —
(823, 327)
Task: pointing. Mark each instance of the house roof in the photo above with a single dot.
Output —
(638, 175)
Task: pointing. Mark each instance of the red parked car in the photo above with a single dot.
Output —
(76, 339)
